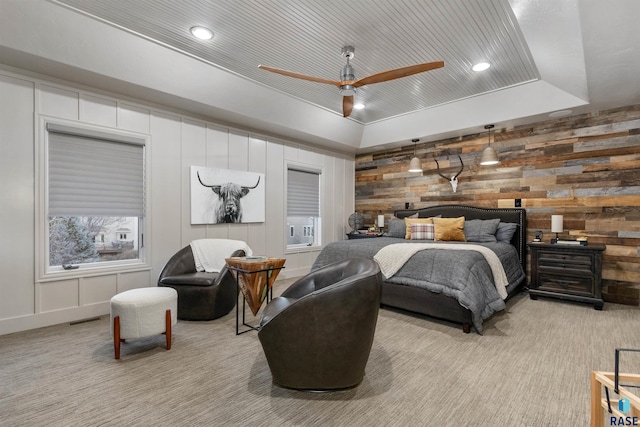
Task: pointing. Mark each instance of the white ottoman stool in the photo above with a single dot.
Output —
(143, 312)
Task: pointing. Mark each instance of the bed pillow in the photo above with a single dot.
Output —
(505, 231)
(449, 229)
(409, 221)
(481, 230)
(396, 228)
(422, 231)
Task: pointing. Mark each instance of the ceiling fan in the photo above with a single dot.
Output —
(348, 83)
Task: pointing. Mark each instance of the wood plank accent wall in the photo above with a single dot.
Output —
(586, 168)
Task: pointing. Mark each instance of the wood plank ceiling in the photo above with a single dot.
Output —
(306, 37)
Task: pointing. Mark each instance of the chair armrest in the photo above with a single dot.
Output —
(314, 281)
(331, 309)
(181, 262)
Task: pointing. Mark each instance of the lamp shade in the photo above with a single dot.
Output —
(489, 157)
(415, 165)
(380, 221)
(556, 224)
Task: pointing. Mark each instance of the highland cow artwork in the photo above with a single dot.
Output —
(223, 196)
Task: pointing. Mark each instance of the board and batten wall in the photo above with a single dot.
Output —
(177, 141)
(585, 167)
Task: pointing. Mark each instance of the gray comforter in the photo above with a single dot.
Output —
(463, 275)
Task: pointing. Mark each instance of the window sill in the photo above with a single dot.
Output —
(294, 249)
(92, 271)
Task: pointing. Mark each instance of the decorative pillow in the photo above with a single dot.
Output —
(449, 229)
(481, 230)
(422, 231)
(505, 231)
(396, 228)
(409, 221)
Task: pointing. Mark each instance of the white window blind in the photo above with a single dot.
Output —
(93, 173)
(303, 193)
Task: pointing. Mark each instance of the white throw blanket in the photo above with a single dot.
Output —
(391, 258)
(210, 254)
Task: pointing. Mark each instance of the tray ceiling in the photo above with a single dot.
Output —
(546, 55)
(306, 37)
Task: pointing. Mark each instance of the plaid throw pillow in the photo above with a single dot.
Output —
(422, 231)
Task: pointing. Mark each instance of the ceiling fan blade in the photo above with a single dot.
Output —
(298, 76)
(347, 105)
(398, 73)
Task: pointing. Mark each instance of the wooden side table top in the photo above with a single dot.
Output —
(255, 277)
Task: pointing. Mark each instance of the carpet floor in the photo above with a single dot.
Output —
(530, 368)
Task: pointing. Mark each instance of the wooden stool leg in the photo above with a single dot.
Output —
(168, 329)
(116, 336)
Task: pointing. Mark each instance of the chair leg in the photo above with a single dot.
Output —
(168, 329)
(116, 336)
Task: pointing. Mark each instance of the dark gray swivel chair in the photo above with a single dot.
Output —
(318, 334)
(201, 295)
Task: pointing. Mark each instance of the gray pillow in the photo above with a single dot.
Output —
(396, 227)
(506, 231)
(481, 230)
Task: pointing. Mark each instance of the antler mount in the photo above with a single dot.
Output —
(454, 179)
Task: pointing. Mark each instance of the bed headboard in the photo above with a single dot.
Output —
(515, 215)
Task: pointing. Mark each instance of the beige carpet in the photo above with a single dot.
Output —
(530, 368)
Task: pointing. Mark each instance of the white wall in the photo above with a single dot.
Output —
(177, 142)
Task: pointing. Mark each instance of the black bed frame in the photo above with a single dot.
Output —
(441, 306)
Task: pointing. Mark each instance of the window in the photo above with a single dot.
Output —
(303, 207)
(94, 201)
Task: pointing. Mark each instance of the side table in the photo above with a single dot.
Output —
(367, 235)
(569, 272)
(254, 276)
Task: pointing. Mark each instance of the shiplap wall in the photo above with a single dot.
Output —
(178, 141)
(586, 168)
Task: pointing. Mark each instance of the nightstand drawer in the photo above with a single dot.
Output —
(566, 284)
(566, 260)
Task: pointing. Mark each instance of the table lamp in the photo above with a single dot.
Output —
(556, 226)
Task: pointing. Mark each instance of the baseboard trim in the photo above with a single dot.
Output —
(51, 318)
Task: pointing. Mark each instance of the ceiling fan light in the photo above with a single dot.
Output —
(347, 90)
(489, 157)
(415, 165)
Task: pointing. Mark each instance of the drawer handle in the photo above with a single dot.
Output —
(563, 283)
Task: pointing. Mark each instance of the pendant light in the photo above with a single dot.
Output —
(416, 164)
(489, 155)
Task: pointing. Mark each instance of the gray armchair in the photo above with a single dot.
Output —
(201, 295)
(318, 334)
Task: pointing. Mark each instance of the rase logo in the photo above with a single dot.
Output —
(624, 406)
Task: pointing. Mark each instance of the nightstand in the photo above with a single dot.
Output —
(363, 235)
(570, 272)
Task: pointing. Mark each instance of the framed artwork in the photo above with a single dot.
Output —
(224, 196)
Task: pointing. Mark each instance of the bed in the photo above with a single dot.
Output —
(451, 280)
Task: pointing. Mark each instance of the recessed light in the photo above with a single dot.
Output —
(358, 106)
(202, 33)
(560, 113)
(481, 66)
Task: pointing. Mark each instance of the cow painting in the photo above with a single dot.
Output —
(221, 196)
(230, 209)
